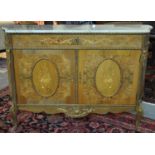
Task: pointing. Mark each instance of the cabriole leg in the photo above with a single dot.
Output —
(139, 116)
(13, 111)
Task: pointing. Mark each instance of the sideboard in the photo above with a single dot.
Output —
(77, 70)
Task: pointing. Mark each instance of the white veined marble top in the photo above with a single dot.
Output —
(112, 28)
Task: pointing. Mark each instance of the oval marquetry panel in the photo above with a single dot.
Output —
(108, 78)
(45, 78)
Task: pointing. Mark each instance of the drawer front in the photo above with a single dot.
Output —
(44, 77)
(63, 41)
(108, 77)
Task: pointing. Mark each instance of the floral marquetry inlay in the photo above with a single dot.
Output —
(108, 78)
(45, 78)
(82, 41)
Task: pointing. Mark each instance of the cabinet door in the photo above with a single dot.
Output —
(108, 76)
(44, 76)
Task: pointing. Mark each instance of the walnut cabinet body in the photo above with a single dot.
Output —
(77, 71)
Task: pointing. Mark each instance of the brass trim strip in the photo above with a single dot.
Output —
(13, 80)
(76, 75)
(76, 48)
(77, 105)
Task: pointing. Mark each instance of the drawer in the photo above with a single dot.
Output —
(80, 41)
